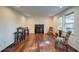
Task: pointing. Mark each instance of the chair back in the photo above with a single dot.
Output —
(60, 33)
(19, 29)
(68, 35)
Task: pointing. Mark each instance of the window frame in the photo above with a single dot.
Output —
(69, 22)
(58, 23)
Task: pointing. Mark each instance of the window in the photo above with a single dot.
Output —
(59, 23)
(69, 22)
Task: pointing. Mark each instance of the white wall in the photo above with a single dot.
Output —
(74, 39)
(9, 21)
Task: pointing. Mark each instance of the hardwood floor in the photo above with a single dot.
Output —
(35, 43)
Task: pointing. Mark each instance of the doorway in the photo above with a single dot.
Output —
(39, 28)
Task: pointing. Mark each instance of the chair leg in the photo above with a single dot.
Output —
(66, 48)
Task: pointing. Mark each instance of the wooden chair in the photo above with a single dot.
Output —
(20, 32)
(66, 39)
(60, 33)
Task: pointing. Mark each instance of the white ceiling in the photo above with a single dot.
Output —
(41, 10)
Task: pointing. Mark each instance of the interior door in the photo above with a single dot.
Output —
(39, 28)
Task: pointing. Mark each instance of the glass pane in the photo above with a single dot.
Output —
(70, 18)
(69, 23)
(59, 23)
